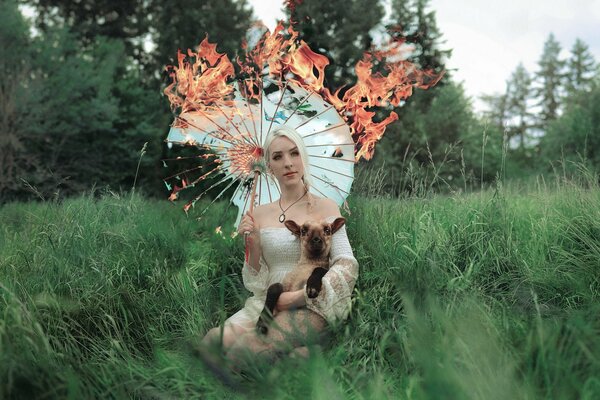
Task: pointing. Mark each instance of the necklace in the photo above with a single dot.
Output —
(282, 215)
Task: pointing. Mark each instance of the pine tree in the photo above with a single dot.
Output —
(496, 112)
(183, 24)
(518, 96)
(581, 67)
(418, 24)
(14, 70)
(424, 133)
(339, 29)
(550, 78)
(126, 20)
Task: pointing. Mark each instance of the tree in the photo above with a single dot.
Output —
(14, 67)
(575, 135)
(182, 24)
(581, 67)
(431, 122)
(518, 96)
(127, 20)
(497, 113)
(550, 79)
(424, 146)
(340, 29)
(416, 23)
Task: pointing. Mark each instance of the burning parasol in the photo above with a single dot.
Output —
(279, 83)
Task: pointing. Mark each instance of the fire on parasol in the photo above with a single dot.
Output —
(279, 83)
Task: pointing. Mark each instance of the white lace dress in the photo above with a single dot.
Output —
(280, 254)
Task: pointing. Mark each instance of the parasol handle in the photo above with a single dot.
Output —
(252, 195)
(256, 174)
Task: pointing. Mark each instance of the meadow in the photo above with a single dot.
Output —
(490, 295)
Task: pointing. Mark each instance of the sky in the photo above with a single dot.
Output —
(490, 37)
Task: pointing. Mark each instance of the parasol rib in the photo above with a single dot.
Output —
(317, 189)
(223, 129)
(187, 170)
(315, 116)
(205, 156)
(268, 188)
(330, 184)
(329, 144)
(325, 130)
(204, 131)
(353, 161)
(333, 186)
(277, 108)
(219, 195)
(249, 111)
(330, 170)
(248, 138)
(217, 184)
(299, 105)
(262, 95)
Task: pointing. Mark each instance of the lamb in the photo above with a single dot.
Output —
(315, 241)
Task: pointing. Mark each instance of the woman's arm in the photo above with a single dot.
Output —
(249, 228)
(255, 272)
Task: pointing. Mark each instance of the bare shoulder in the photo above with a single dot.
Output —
(327, 208)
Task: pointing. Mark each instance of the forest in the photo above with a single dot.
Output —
(82, 94)
(477, 233)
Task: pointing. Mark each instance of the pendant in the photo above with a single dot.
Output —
(282, 218)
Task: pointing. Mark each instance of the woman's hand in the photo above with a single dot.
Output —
(248, 227)
(290, 300)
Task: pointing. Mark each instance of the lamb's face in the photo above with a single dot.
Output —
(315, 237)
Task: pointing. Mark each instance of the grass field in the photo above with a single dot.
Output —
(475, 296)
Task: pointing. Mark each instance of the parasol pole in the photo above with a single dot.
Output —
(258, 168)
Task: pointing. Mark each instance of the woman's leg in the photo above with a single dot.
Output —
(289, 330)
(224, 337)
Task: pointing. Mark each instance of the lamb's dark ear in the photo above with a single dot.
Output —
(337, 224)
(293, 227)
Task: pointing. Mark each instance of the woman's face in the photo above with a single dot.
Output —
(285, 161)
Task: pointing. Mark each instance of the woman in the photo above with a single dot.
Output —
(273, 250)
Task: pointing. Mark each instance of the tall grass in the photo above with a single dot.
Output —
(490, 295)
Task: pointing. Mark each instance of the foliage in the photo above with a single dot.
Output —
(581, 68)
(340, 29)
(550, 77)
(431, 123)
(423, 149)
(14, 67)
(518, 98)
(127, 21)
(575, 136)
(416, 22)
(490, 295)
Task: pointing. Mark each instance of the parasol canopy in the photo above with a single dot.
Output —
(228, 112)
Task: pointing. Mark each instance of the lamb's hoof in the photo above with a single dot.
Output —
(261, 328)
(312, 292)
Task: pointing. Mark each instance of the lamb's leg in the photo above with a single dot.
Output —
(266, 315)
(314, 282)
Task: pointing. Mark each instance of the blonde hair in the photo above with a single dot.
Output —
(294, 136)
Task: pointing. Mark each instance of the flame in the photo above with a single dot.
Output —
(200, 80)
(203, 83)
(378, 90)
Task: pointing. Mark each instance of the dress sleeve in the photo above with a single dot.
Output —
(334, 301)
(256, 281)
